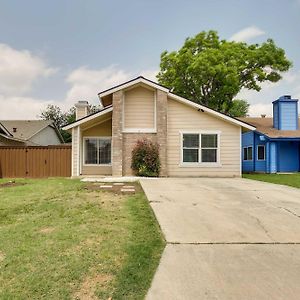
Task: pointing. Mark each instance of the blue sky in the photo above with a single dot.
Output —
(60, 52)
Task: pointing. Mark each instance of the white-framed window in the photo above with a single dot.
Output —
(200, 148)
(261, 152)
(97, 150)
(248, 153)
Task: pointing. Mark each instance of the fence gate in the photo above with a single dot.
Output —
(35, 161)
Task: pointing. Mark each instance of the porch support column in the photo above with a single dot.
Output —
(161, 127)
(273, 157)
(76, 151)
(117, 135)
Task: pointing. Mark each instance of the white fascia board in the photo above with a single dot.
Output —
(211, 111)
(5, 130)
(89, 118)
(131, 83)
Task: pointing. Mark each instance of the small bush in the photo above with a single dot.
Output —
(145, 158)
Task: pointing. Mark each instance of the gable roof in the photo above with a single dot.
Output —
(4, 131)
(90, 117)
(153, 84)
(265, 126)
(26, 129)
(139, 79)
(8, 137)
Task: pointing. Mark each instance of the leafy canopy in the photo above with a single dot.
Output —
(211, 71)
(239, 108)
(62, 118)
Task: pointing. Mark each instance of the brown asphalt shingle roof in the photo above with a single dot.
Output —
(265, 126)
(25, 128)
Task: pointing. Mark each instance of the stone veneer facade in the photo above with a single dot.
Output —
(123, 143)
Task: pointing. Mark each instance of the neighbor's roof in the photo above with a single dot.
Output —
(25, 129)
(265, 126)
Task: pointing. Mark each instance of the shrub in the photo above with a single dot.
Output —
(145, 158)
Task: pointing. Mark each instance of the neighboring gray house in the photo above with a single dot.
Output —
(29, 133)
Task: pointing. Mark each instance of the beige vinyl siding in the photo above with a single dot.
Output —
(139, 109)
(182, 117)
(98, 130)
(96, 170)
(102, 129)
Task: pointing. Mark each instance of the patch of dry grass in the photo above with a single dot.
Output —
(2, 256)
(90, 284)
(60, 240)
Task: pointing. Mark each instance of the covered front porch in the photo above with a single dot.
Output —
(284, 156)
(92, 146)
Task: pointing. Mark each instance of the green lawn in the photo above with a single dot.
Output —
(61, 241)
(286, 179)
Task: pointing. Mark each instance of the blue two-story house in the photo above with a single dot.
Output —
(275, 144)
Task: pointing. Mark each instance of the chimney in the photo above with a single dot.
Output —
(263, 116)
(15, 129)
(82, 109)
(285, 113)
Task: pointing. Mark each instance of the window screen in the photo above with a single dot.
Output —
(91, 151)
(209, 147)
(97, 151)
(191, 148)
(260, 152)
(248, 153)
(198, 148)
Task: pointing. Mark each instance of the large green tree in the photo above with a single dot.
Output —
(62, 118)
(212, 72)
(239, 108)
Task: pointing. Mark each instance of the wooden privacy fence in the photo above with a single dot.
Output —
(35, 161)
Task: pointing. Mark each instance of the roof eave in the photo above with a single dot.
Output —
(5, 130)
(213, 112)
(89, 118)
(13, 138)
(130, 83)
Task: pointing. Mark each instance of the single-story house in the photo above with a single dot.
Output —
(194, 140)
(275, 144)
(29, 133)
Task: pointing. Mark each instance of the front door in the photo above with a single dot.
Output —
(288, 157)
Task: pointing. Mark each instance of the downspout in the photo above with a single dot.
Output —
(277, 148)
(78, 151)
(254, 152)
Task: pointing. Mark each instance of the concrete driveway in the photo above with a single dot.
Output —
(226, 239)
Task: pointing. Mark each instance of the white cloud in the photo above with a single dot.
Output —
(18, 107)
(259, 109)
(19, 69)
(261, 102)
(247, 34)
(87, 83)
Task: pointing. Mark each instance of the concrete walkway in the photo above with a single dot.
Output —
(226, 239)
